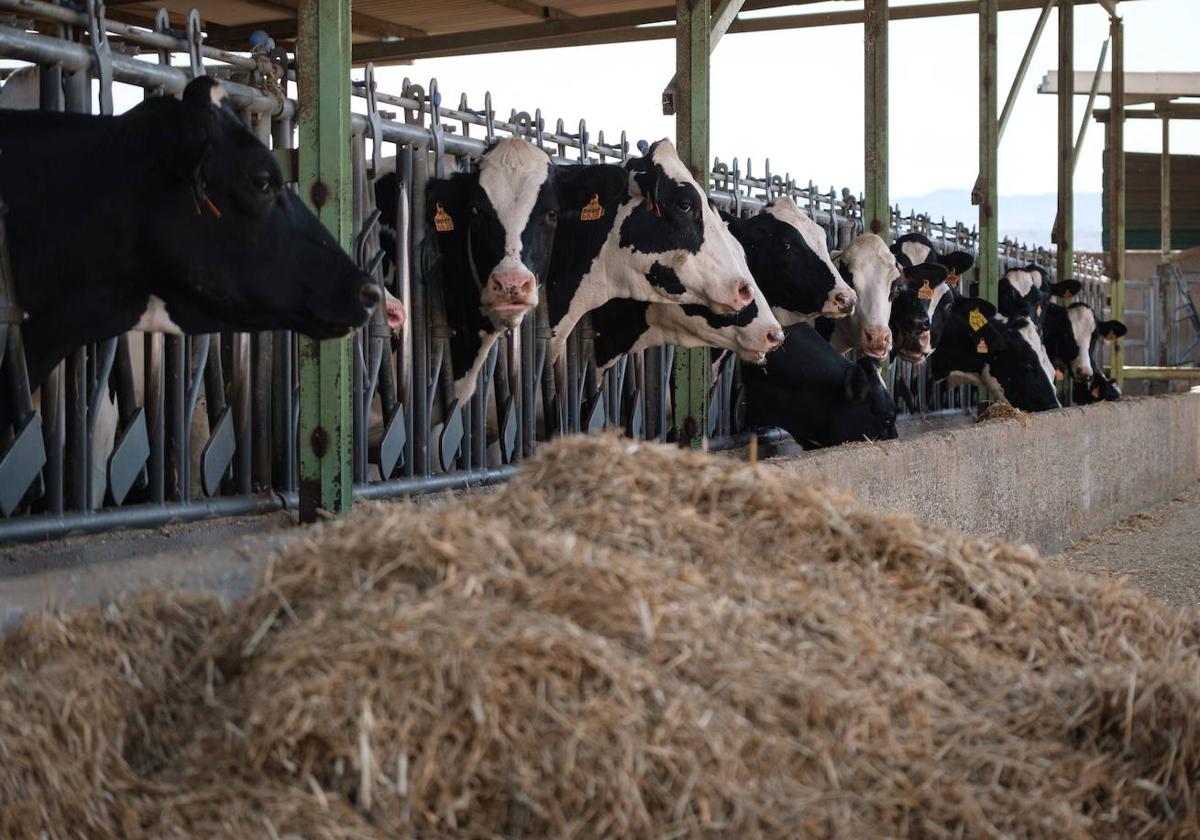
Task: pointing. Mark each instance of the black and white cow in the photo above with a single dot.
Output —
(914, 249)
(1025, 292)
(817, 395)
(789, 258)
(919, 311)
(494, 230)
(1100, 388)
(182, 225)
(644, 231)
(1071, 334)
(980, 347)
(871, 269)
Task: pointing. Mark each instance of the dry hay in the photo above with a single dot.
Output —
(1002, 411)
(630, 640)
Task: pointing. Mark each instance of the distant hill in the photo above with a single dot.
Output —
(1025, 218)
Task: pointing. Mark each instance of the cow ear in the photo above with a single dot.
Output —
(1111, 330)
(1066, 287)
(856, 384)
(957, 262)
(205, 92)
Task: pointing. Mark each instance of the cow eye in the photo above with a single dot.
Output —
(552, 216)
(684, 206)
(262, 182)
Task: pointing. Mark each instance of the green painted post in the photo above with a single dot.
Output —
(1116, 127)
(877, 215)
(325, 428)
(691, 133)
(1064, 227)
(988, 264)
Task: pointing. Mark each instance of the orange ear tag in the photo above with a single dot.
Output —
(952, 280)
(977, 320)
(1067, 296)
(981, 347)
(441, 220)
(592, 211)
(1058, 375)
(925, 293)
(1096, 393)
(1110, 336)
(652, 207)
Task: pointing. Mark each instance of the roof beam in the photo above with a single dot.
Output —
(1163, 110)
(635, 26)
(360, 23)
(1149, 85)
(536, 10)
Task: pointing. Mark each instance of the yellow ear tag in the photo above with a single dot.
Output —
(1058, 375)
(925, 293)
(952, 280)
(981, 347)
(592, 211)
(977, 320)
(1096, 392)
(441, 220)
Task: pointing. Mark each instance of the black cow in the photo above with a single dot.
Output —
(981, 348)
(1026, 292)
(494, 230)
(1071, 334)
(817, 395)
(179, 222)
(1100, 389)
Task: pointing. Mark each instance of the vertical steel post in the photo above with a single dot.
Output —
(324, 97)
(1064, 226)
(988, 264)
(691, 132)
(1116, 125)
(876, 212)
(1166, 318)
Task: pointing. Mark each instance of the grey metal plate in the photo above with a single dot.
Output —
(636, 426)
(508, 431)
(21, 465)
(391, 447)
(594, 420)
(452, 436)
(129, 457)
(218, 453)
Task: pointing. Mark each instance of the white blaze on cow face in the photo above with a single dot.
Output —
(1033, 338)
(156, 319)
(841, 299)
(1083, 325)
(512, 175)
(916, 252)
(873, 273)
(671, 324)
(1022, 281)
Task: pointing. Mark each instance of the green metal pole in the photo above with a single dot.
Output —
(325, 428)
(1165, 319)
(988, 264)
(691, 133)
(1064, 227)
(877, 215)
(1116, 268)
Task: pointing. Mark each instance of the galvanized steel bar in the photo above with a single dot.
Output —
(326, 477)
(1064, 225)
(691, 130)
(1034, 39)
(877, 213)
(1089, 109)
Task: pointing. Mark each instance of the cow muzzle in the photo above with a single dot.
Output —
(756, 354)
(915, 348)
(509, 294)
(876, 341)
(840, 303)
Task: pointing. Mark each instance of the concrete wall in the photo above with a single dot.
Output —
(1050, 481)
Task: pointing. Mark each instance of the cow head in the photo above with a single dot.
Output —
(919, 311)
(1071, 336)
(230, 243)
(789, 258)
(915, 249)
(1100, 388)
(695, 257)
(872, 409)
(495, 227)
(869, 267)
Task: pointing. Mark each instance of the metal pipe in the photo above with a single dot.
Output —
(1091, 106)
(1019, 80)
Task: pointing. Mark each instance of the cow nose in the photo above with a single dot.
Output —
(775, 338)
(512, 283)
(369, 295)
(877, 338)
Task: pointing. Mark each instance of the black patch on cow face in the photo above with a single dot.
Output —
(742, 318)
(617, 325)
(790, 274)
(817, 395)
(670, 216)
(1058, 337)
(664, 277)
(1100, 389)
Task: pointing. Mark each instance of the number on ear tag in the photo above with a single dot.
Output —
(977, 320)
(441, 220)
(981, 347)
(925, 293)
(592, 211)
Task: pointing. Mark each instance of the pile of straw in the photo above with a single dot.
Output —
(628, 640)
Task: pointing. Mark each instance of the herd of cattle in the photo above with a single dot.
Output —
(181, 223)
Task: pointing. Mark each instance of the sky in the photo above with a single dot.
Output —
(795, 96)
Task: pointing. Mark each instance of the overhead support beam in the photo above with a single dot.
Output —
(1152, 86)
(877, 213)
(536, 10)
(1170, 110)
(622, 27)
(325, 428)
(691, 134)
(723, 15)
(1063, 234)
(985, 194)
(1116, 202)
(1026, 59)
(361, 24)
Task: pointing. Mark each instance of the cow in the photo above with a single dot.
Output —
(789, 260)
(871, 269)
(914, 249)
(1099, 389)
(919, 311)
(493, 230)
(641, 230)
(817, 395)
(1071, 333)
(980, 347)
(1025, 292)
(184, 227)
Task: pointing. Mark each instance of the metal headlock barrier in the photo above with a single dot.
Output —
(207, 425)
